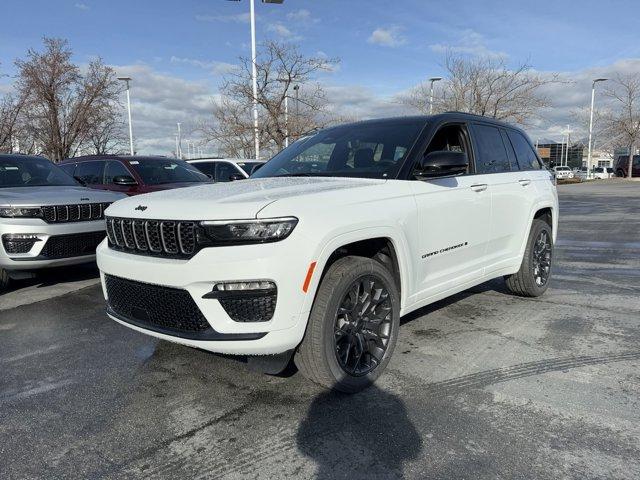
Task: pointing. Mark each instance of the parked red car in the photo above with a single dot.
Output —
(133, 174)
(622, 166)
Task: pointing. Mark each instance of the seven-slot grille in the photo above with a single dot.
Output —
(74, 213)
(163, 238)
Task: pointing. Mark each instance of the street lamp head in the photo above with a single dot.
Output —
(296, 87)
(435, 79)
(126, 79)
(600, 80)
(279, 2)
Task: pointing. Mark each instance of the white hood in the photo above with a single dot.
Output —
(226, 201)
(61, 195)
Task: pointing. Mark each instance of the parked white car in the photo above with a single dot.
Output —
(226, 169)
(46, 218)
(563, 172)
(321, 251)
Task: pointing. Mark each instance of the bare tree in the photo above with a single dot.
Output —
(485, 86)
(622, 122)
(63, 104)
(280, 67)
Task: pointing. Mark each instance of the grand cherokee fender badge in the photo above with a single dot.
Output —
(446, 249)
(142, 208)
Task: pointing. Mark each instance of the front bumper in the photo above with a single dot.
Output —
(273, 262)
(34, 258)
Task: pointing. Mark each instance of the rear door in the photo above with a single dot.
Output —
(511, 198)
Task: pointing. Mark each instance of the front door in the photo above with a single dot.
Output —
(454, 216)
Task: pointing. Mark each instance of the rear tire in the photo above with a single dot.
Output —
(532, 280)
(353, 326)
(4, 279)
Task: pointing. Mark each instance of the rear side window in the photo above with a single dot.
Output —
(90, 173)
(208, 168)
(492, 155)
(527, 157)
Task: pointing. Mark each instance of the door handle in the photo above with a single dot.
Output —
(524, 182)
(479, 187)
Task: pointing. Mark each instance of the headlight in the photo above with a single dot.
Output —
(234, 232)
(12, 212)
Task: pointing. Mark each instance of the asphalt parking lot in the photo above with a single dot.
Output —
(482, 385)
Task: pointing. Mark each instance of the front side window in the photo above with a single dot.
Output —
(492, 155)
(158, 171)
(90, 173)
(527, 157)
(32, 172)
(114, 169)
(208, 168)
(224, 170)
(366, 150)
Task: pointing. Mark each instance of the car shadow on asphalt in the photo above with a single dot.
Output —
(366, 435)
(54, 276)
(496, 285)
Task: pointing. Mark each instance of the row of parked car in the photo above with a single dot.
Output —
(53, 215)
(620, 169)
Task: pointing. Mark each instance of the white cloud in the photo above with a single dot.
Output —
(303, 16)
(282, 31)
(82, 6)
(237, 18)
(387, 37)
(468, 42)
(217, 68)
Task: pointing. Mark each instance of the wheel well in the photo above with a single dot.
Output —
(545, 215)
(379, 249)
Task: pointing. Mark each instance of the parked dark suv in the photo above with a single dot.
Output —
(622, 166)
(133, 174)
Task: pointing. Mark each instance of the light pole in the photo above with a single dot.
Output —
(179, 141)
(296, 89)
(127, 80)
(254, 73)
(285, 82)
(593, 96)
(432, 80)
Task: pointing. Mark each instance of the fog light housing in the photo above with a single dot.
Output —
(19, 242)
(246, 302)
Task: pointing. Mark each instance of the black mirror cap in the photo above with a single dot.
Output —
(444, 163)
(124, 180)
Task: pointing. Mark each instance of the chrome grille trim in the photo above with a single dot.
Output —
(79, 212)
(163, 238)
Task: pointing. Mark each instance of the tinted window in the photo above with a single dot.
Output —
(224, 170)
(90, 173)
(492, 154)
(68, 168)
(114, 169)
(208, 168)
(367, 150)
(527, 157)
(248, 166)
(157, 171)
(32, 172)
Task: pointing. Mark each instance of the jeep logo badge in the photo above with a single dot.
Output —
(84, 199)
(142, 208)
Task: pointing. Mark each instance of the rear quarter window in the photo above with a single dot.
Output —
(527, 158)
(492, 155)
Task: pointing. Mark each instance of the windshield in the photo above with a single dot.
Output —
(369, 150)
(32, 172)
(156, 171)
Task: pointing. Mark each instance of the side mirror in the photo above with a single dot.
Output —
(444, 163)
(236, 176)
(125, 180)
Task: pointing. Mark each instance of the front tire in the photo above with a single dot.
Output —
(532, 280)
(353, 326)
(4, 280)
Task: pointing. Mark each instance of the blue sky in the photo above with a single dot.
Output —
(386, 46)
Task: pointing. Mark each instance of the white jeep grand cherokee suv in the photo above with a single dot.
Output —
(322, 250)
